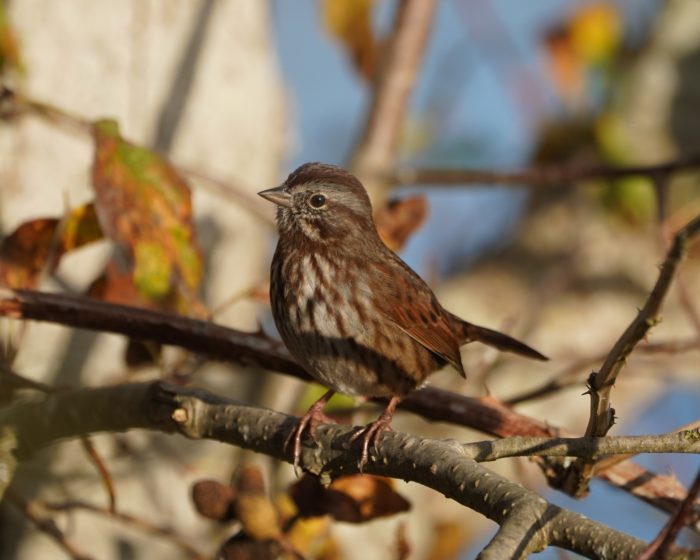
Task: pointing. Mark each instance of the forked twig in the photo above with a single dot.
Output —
(602, 415)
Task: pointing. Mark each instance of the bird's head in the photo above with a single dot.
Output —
(322, 202)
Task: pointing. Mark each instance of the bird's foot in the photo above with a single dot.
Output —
(373, 431)
(311, 420)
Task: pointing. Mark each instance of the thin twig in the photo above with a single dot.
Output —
(106, 478)
(661, 491)
(130, 520)
(575, 373)
(662, 545)
(602, 415)
(45, 525)
(688, 304)
(601, 383)
(685, 441)
(233, 192)
(554, 176)
(18, 104)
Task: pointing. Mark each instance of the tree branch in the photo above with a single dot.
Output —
(376, 149)
(662, 545)
(602, 415)
(543, 177)
(485, 414)
(46, 525)
(163, 532)
(685, 441)
(530, 523)
(573, 373)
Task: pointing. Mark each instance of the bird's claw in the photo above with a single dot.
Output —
(311, 420)
(372, 432)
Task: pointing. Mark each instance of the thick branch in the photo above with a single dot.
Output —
(602, 414)
(485, 414)
(530, 523)
(203, 337)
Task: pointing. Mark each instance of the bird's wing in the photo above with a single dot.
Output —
(407, 302)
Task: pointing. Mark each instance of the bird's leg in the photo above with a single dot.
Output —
(313, 417)
(373, 431)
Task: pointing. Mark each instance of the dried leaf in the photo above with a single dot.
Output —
(590, 38)
(565, 66)
(10, 57)
(242, 547)
(254, 509)
(398, 219)
(351, 23)
(214, 500)
(38, 245)
(353, 499)
(115, 285)
(145, 207)
(80, 227)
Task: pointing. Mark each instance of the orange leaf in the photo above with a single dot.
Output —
(214, 500)
(398, 219)
(10, 57)
(351, 23)
(38, 245)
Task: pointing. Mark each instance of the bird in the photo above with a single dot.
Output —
(349, 310)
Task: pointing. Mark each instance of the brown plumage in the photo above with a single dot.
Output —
(348, 308)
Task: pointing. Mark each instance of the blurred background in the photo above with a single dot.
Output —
(236, 94)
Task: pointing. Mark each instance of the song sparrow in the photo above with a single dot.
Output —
(349, 309)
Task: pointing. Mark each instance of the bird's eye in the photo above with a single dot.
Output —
(317, 201)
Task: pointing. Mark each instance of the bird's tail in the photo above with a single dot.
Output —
(497, 340)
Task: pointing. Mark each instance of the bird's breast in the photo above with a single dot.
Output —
(326, 312)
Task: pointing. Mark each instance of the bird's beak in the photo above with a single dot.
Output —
(278, 195)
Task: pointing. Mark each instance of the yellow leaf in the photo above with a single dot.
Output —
(596, 32)
(350, 21)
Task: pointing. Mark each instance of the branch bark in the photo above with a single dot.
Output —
(529, 522)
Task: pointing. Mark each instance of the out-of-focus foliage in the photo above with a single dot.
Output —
(37, 246)
(397, 220)
(10, 56)
(581, 49)
(585, 56)
(353, 499)
(351, 24)
(596, 31)
(145, 207)
(289, 523)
